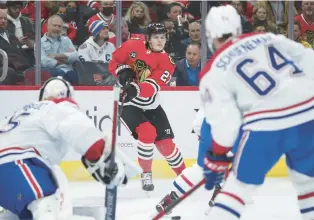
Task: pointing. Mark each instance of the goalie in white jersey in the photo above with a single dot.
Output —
(37, 137)
(262, 82)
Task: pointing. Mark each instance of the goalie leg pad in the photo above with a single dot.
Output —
(168, 149)
(187, 179)
(230, 202)
(304, 185)
(47, 208)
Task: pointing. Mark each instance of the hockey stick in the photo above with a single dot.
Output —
(178, 201)
(111, 190)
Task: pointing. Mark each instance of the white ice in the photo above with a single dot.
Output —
(275, 200)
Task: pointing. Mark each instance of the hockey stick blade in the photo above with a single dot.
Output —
(178, 201)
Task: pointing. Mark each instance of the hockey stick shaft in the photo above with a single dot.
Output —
(178, 201)
(111, 190)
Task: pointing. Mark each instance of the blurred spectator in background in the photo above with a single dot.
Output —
(260, 19)
(188, 69)
(125, 33)
(259, 28)
(173, 47)
(19, 25)
(246, 25)
(67, 30)
(297, 35)
(194, 33)
(174, 13)
(137, 18)
(58, 52)
(46, 8)
(92, 4)
(106, 13)
(277, 13)
(17, 59)
(306, 21)
(97, 48)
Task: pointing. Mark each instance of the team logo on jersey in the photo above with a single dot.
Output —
(171, 60)
(142, 70)
(133, 54)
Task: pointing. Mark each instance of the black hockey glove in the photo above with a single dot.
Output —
(102, 172)
(130, 91)
(125, 74)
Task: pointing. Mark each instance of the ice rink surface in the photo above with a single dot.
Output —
(276, 200)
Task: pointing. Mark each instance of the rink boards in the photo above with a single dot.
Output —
(180, 104)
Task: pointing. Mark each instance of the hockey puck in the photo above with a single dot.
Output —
(175, 217)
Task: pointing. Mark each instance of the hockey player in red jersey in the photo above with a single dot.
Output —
(142, 67)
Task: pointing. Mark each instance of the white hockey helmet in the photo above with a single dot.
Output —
(221, 21)
(56, 87)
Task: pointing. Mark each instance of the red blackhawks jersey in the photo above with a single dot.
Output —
(153, 70)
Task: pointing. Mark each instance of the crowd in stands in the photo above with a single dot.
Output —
(78, 37)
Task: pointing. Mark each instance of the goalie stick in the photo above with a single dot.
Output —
(111, 190)
(178, 201)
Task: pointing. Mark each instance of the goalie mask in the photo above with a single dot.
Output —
(56, 87)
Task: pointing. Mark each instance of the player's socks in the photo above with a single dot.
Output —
(145, 149)
(306, 204)
(172, 154)
(145, 156)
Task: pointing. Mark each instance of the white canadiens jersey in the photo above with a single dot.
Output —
(91, 51)
(261, 81)
(46, 130)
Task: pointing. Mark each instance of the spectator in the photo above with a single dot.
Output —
(277, 13)
(137, 18)
(125, 33)
(58, 52)
(17, 60)
(259, 28)
(19, 25)
(297, 35)
(188, 69)
(246, 25)
(306, 21)
(97, 48)
(174, 14)
(173, 47)
(260, 19)
(194, 33)
(105, 13)
(46, 8)
(67, 30)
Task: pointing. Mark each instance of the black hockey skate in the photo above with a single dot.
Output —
(216, 191)
(166, 201)
(147, 181)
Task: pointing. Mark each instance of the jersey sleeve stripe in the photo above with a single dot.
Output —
(280, 113)
(154, 84)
